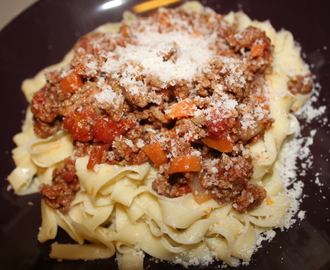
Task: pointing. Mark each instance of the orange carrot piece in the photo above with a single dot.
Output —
(221, 144)
(184, 108)
(156, 153)
(185, 164)
(71, 83)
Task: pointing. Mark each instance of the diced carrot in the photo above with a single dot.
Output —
(257, 50)
(185, 164)
(184, 108)
(71, 83)
(222, 144)
(156, 153)
(200, 194)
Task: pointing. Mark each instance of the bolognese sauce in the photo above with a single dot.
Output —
(183, 90)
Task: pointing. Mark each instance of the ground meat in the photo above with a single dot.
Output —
(234, 77)
(249, 198)
(187, 128)
(254, 42)
(139, 98)
(44, 130)
(181, 91)
(255, 112)
(125, 152)
(65, 184)
(86, 65)
(171, 186)
(300, 84)
(83, 98)
(176, 145)
(82, 148)
(228, 179)
(248, 38)
(44, 105)
(153, 114)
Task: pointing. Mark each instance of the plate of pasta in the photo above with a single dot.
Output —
(166, 134)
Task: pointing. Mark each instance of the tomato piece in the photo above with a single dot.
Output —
(106, 129)
(217, 125)
(156, 153)
(71, 83)
(80, 125)
(70, 176)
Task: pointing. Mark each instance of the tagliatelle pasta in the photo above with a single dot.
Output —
(118, 197)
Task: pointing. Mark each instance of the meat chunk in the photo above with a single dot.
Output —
(44, 130)
(44, 104)
(65, 185)
(300, 84)
(228, 179)
(257, 44)
(172, 187)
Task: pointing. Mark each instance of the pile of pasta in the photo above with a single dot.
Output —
(117, 213)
